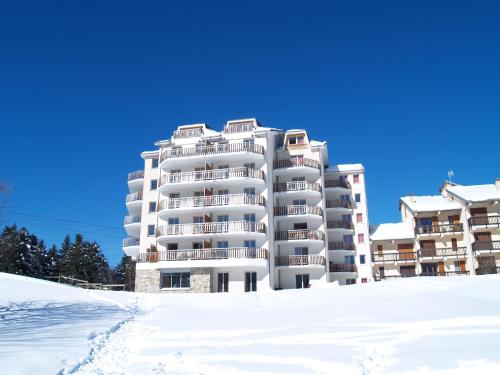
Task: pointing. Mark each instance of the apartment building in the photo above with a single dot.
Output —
(454, 233)
(248, 208)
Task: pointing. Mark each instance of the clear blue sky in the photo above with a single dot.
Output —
(410, 89)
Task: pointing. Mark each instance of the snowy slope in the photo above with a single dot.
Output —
(408, 326)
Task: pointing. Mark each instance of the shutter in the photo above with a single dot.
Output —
(441, 267)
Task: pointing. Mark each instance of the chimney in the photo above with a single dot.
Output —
(497, 183)
(412, 197)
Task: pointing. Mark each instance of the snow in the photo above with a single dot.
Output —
(476, 193)
(448, 325)
(392, 231)
(345, 168)
(425, 203)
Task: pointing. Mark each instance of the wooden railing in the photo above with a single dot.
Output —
(409, 257)
(339, 224)
(134, 197)
(212, 200)
(447, 273)
(296, 162)
(211, 227)
(203, 254)
(131, 242)
(212, 174)
(485, 220)
(188, 133)
(300, 260)
(299, 234)
(239, 127)
(485, 246)
(132, 219)
(341, 245)
(442, 252)
(216, 149)
(135, 175)
(296, 186)
(342, 267)
(337, 184)
(438, 228)
(338, 203)
(297, 210)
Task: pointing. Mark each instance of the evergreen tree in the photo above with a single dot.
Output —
(53, 261)
(12, 251)
(124, 273)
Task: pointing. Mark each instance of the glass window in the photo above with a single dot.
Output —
(357, 197)
(154, 184)
(356, 178)
(359, 218)
(361, 238)
(152, 207)
(151, 230)
(250, 281)
(362, 259)
(175, 280)
(154, 163)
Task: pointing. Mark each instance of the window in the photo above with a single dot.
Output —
(350, 281)
(250, 281)
(152, 207)
(250, 191)
(154, 184)
(297, 226)
(249, 165)
(175, 280)
(364, 280)
(251, 244)
(222, 244)
(299, 202)
(249, 217)
(223, 282)
(357, 197)
(359, 218)
(345, 198)
(173, 220)
(154, 163)
(300, 140)
(362, 259)
(361, 238)
(151, 230)
(356, 178)
(301, 251)
(302, 281)
(349, 259)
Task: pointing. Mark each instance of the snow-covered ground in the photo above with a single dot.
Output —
(407, 326)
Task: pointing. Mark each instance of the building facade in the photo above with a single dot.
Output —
(454, 233)
(248, 208)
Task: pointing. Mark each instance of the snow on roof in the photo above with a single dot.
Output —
(393, 231)
(345, 168)
(430, 203)
(476, 193)
(317, 143)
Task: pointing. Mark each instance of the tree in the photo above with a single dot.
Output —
(124, 273)
(53, 261)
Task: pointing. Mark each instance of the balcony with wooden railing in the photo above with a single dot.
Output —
(486, 246)
(458, 252)
(339, 224)
(203, 254)
(438, 229)
(212, 175)
(344, 184)
(212, 201)
(341, 245)
(342, 267)
(300, 260)
(394, 257)
(484, 221)
(296, 162)
(338, 203)
(240, 127)
(136, 175)
(188, 133)
(293, 210)
(299, 234)
(293, 186)
(216, 227)
(212, 149)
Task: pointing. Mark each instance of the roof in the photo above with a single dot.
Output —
(430, 203)
(392, 231)
(346, 168)
(475, 193)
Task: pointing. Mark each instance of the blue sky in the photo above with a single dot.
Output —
(410, 89)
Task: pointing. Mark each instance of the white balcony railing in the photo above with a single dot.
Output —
(131, 241)
(211, 174)
(134, 197)
(300, 260)
(211, 228)
(213, 149)
(296, 186)
(297, 210)
(204, 254)
(212, 200)
(132, 219)
(188, 133)
(135, 175)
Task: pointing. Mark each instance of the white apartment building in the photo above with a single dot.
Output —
(248, 208)
(454, 233)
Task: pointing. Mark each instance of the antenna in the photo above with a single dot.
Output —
(450, 175)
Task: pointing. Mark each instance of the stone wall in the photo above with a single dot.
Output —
(201, 279)
(149, 281)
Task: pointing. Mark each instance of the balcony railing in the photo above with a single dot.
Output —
(217, 149)
(297, 210)
(438, 228)
(338, 203)
(486, 246)
(204, 254)
(339, 224)
(337, 184)
(135, 175)
(342, 267)
(413, 274)
(239, 127)
(300, 260)
(493, 221)
(299, 234)
(212, 174)
(296, 162)
(211, 228)
(442, 252)
(132, 219)
(296, 186)
(447, 273)
(341, 245)
(134, 197)
(188, 133)
(212, 200)
(409, 257)
(127, 242)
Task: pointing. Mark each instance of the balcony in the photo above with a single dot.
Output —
(135, 180)
(212, 177)
(448, 273)
(188, 133)
(342, 267)
(236, 228)
(409, 257)
(484, 221)
(304, 166)
(233, 256)
(240, 127)
(298, 188)
(131, 246)
(300, 260)
(341, 246)
(226, 202)
(486, 246)
(294, 210)
(134, 202)
(299, 235)
(338, 204)
(340, 225)
(132, 219)
(221, 152)
(132, 225)
(438, 229)
(337, 184)
(458, 252)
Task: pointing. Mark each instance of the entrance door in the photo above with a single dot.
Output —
(429, 269)
(407, 271)
(222, 282)
(302, 281)
(250, 281)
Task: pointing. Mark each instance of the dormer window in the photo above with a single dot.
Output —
(296, 140)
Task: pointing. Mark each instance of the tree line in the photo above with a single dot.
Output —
(23, 253)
